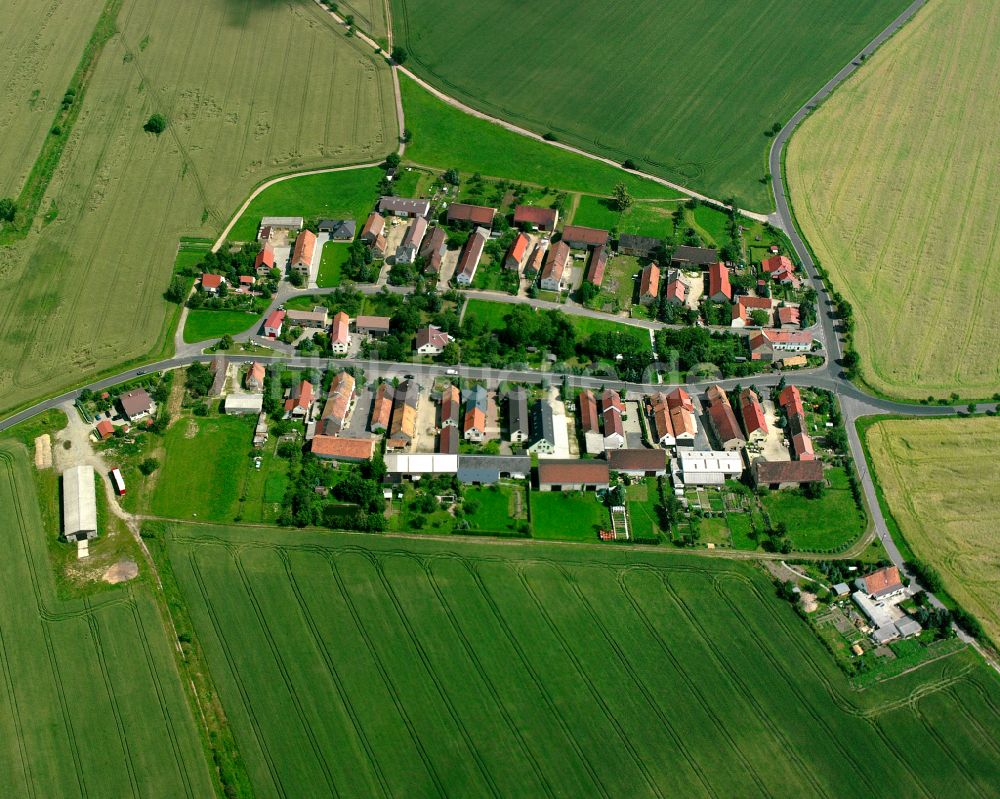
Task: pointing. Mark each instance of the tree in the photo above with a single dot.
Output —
(407, 136)
(622, 199)
(157, 123)
(628, 163)
(851, 361)
(176, 291)
(392, 160)
(148, 466)
(450, 176)
(813, 490)
(226, 342)
(8, 208)
(399, 54)
(759, 317)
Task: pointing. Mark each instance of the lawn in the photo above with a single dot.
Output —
(645, 82)
(828, 523)
(739, 530)
(587, 326)
(335, 255)
(445, 137)
(641, 218)
(84, 292)
(890, 185)
(92, 700)
(939, 481)
(489, 313)
(569, 515)
(350, 194)
(643, 499)
(497, 508)
(202, 325)
(430, 667)
(204, 468)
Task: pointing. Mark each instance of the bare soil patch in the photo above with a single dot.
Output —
(121, 572)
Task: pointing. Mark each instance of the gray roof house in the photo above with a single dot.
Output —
(517, 415)
(339, 229)
(543, 428)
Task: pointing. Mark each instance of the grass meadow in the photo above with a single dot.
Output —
(92, 703)
(348, 194)
(425, 667)
(247, 93)
(939, 479)
(203, 468)
(894, 183)
(445, 137)
(202, 325)
(685, 90)
(818, 524)
(568, 515)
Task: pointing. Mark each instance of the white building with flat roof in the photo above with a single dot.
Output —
(402, 464)
(79, 503)
(244, 403)
(709, 467)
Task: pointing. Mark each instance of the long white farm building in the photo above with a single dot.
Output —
(79, 503)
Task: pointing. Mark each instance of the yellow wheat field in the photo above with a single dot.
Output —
(895, 182)
(250, 90)
(940, 479)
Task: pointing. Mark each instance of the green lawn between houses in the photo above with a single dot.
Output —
(641, 218)
(347, 194)
(426, 667)
(202, 325)
(568, 515)
(822, 524)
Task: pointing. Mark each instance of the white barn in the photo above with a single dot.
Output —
(79, 504)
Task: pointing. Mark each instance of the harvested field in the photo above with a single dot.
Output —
(939, 478)
(424, 668)
(686, 90)
(895, 184)
(247, 92)
(92, 703)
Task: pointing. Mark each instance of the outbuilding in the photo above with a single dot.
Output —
(79, 503)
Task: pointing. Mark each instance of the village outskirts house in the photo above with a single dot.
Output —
(318, 318)
(135, 404)
(612, 411)
(406, 253)
(303, 253)
(700, 257)
(349, 450)
(723, 419)
(264, 262)
(754, 423)
(676, 291)
(472, 253)
(299, 400)
(597, 265)
(543, 429)
(340, 333)
(474, 421)
(273, 324)
(649, 284)
(579, 237)
(778, 475)
(639, 246)
(339, 404)
(403, 206)
(518, 253)
(381, 413)
(638, 462)
(432, 340)
(769, 344)
(719, 288)
(555, 270)
(573, 475)
(536, 218)
(589, 422)
(212, 284)
(744, 306)
(338, 229)
(517, 415)
(432, 250)
(463, 213)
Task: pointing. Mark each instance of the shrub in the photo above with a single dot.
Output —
(157, 123)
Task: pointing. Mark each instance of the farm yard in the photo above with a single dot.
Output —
(432, 667)
(698, 118)
(939, 481)
(92, 701)
(894, 185)
(120, 197)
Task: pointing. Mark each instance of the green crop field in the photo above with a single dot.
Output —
(91, 702)
(202, 325)
(425, 668)
(686, 90)
(939, 480)
(894, 183)
(247, 92)
(444, 137)
(350, 193)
